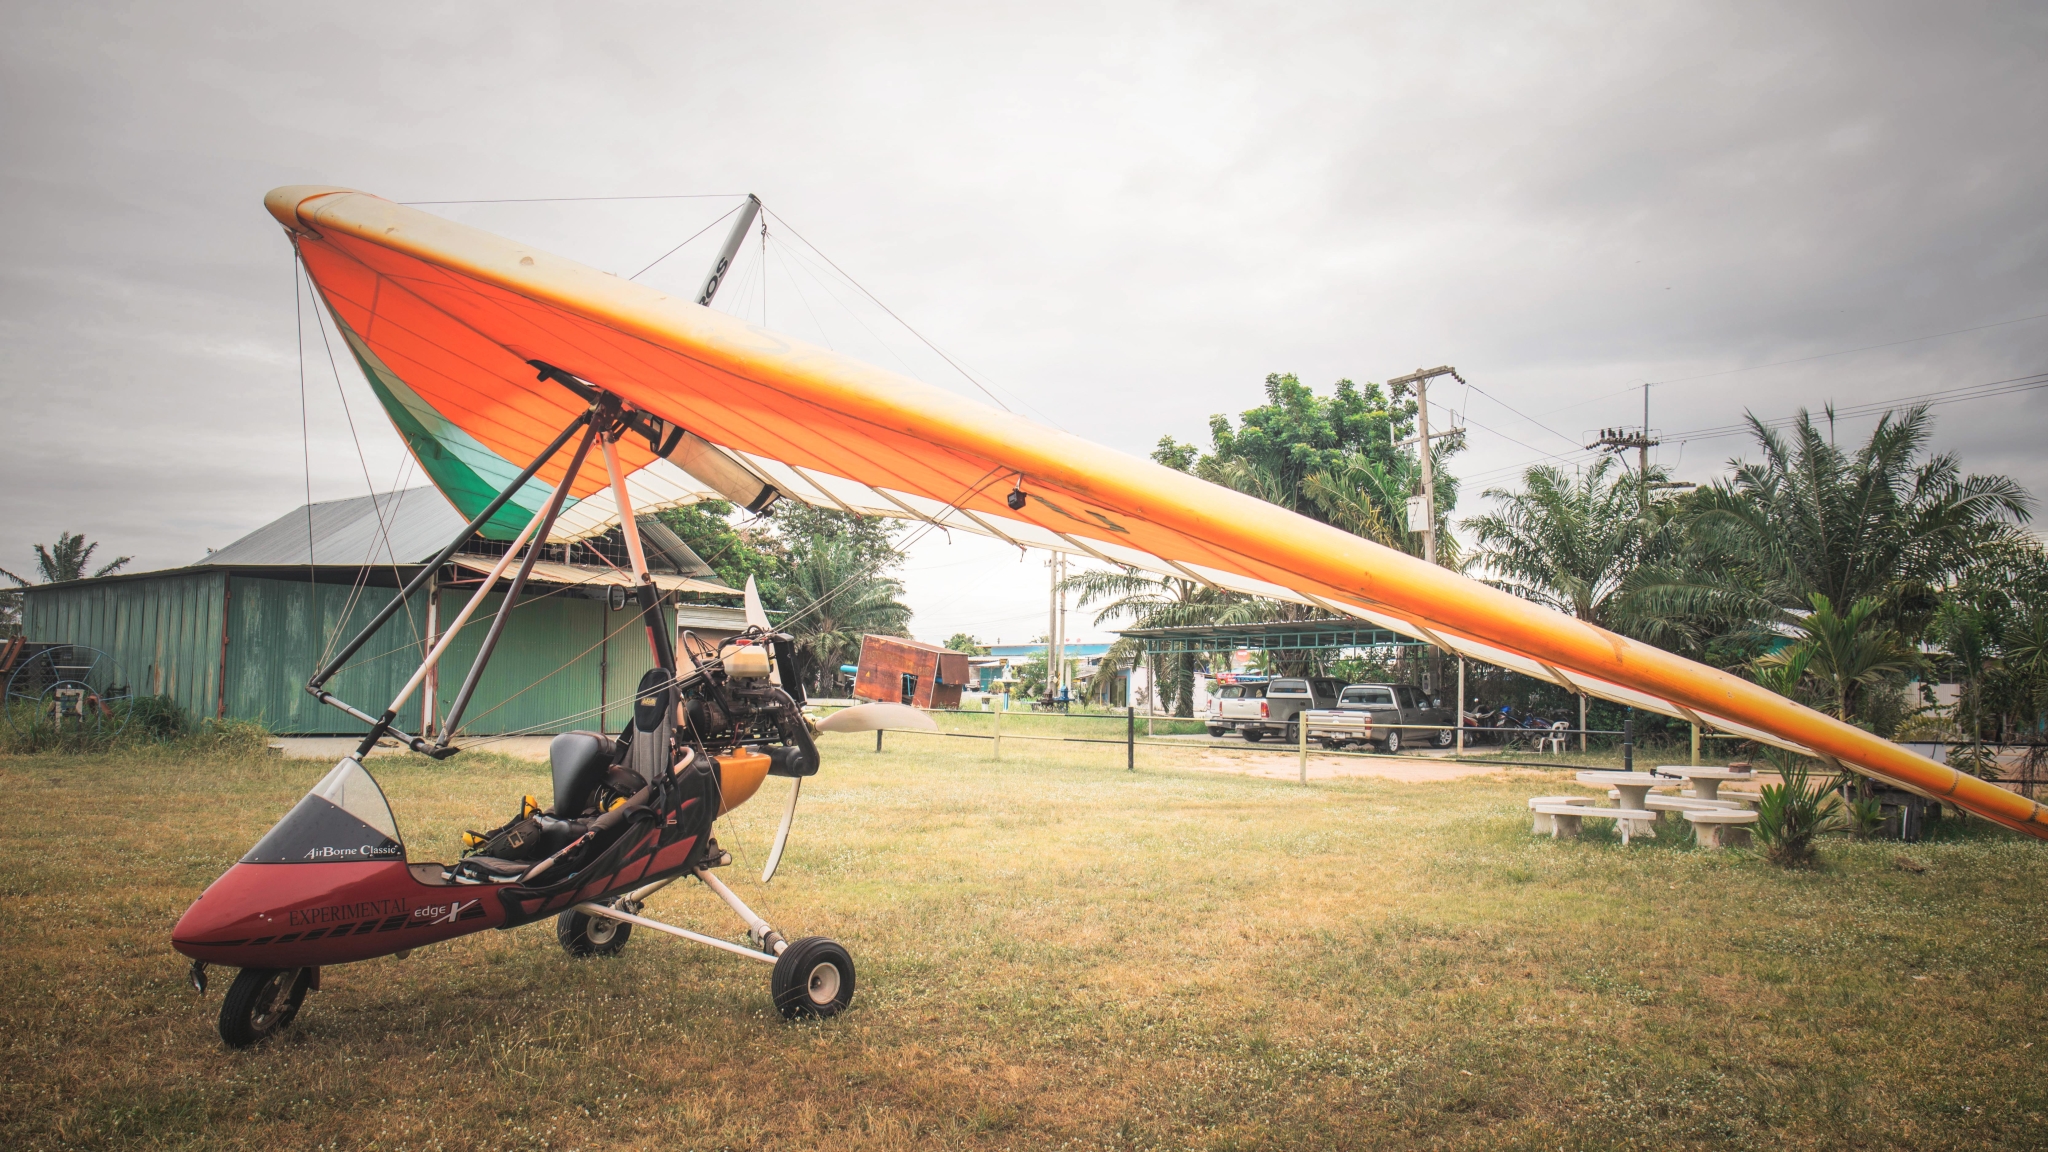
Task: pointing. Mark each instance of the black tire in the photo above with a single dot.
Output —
(1291, 734)
(261, 1002)
(813, 977)
(1445, 737)
(1393, 741)
(1251, 735)
(583, 935)
(1219, 732)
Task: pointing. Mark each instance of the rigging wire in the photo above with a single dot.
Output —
(576, 199)
(679, 247)
(376, 506)
(892, 313)
(305, 448)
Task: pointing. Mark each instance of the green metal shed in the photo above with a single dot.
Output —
(238, 634)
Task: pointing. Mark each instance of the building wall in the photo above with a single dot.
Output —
(281, 631)
(165, 633)
(564, 662)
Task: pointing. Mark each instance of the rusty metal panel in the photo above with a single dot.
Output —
(884, 663)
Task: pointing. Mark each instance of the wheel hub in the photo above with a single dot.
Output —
(824, 983)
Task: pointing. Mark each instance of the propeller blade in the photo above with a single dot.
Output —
(868, 717)
(796, 787)
(756, 617)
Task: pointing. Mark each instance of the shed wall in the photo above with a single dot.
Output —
(279, 632)
(165, 633)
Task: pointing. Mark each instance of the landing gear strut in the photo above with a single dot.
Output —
(813, 976)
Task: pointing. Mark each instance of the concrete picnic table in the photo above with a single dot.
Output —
(1706, 778)
(1631, 787)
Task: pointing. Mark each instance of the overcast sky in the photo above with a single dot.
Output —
(1120, 217)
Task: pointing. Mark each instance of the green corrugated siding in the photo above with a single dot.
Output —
(278, 631)
(562, 663)
(165, 633)
(544, 676)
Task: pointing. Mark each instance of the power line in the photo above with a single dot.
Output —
(1847, 351)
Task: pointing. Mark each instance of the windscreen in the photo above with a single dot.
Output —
(1299, 687)
(344, 819)
(1241, 692)
(1367, 696)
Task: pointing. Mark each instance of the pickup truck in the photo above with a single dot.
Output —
(1394, 715)
(1256, 711)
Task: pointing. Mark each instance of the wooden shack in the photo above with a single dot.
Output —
(900, 670)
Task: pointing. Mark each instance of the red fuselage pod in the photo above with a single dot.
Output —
(327, 885)
(319, 914)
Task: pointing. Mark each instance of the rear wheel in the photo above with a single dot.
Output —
(813, 977)
(1251, 735)
(1445, 737)
(583, 935)
(1215, 731)
(1393, 741)
(260, 1002)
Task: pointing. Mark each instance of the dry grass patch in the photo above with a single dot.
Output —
(1052, 952)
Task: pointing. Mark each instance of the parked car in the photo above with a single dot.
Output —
(1270, 709)
(1394, 715)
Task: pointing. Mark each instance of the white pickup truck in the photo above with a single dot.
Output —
(1256, 711)
(1393, 715)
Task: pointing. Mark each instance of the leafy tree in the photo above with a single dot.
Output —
(1142, 601)
(1329, 458)
(734, 552)
(1566, 541)
(834, 596)
(1847, 655)
(962, 642)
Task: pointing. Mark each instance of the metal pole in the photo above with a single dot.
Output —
(878, 741)
(1458, 713)
(733, 240)
(430, 688)
(1582, 722)
(1130, 739)
(1002, 705)
(1628, 743)
(1695, 745)
(1301, 729)
(1428, 473)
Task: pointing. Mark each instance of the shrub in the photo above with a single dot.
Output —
(1792, 814)
(1865, 816)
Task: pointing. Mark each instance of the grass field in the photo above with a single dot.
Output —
(1052, 953)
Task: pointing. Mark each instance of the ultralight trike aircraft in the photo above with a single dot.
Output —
(485, 352)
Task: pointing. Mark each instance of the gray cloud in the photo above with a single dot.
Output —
(1123, 217)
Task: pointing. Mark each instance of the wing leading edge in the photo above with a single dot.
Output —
(455, 315)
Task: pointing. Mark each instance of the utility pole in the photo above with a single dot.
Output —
(1056, 627)
(1420, 379)
(1617, 439)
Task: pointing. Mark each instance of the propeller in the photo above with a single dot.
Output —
(859, 718)
(756, 617)
(796, 786)
(868, 717)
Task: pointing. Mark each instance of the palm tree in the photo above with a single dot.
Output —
(1568, 541)
(1845, 655)
(835, 595)
(1879, 523)
(1154, 602)
(67, 561)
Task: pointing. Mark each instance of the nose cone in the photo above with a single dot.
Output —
(266, 915)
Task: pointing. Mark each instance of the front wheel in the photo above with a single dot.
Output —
(260, 1002)
(1393, 741)
(583, 935)
(813, 977)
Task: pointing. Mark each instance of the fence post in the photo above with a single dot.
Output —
(1695, 745)
(1458, 709)
(999, 726)
(1301, 726)
(1130, 739)
(878, 740)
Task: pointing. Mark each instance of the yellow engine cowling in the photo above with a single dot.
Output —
(739, 777)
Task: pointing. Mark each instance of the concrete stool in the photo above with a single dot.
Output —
(1720, 829)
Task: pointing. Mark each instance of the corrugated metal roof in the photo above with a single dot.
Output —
(406, 527)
